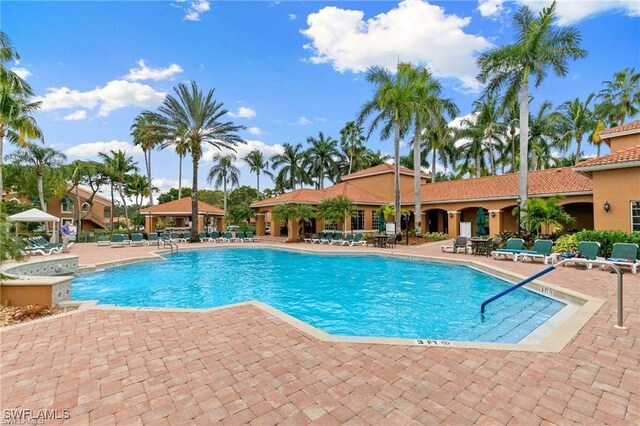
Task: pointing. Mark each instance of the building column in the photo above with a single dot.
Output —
(454, 224)
(424, 224)
(347, 224)
(201, 220)
(275, 227)
(219, 224)
(319, 225)
(150, 224)
(495, 222)
(368, 218)
(260, 224)
(292, 228)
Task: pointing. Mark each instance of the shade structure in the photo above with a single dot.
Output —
(35, 215)
(481, 223)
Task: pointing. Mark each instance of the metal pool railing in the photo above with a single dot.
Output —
(553, 267)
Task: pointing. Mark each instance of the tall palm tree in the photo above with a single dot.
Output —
(440, 141)
(472, 150)
(224, 173)
(392, 105)
(539, 46)
(511, 118)
(320, 157)
(352, 141)
(148, 135)
(490, 123)
(594, 137)
(292, 172)
(118, 166)
(544, 137)
(257, 164)
(575, 119)
(39, 158)
(137, 186)
(194, 117)
(621, 96)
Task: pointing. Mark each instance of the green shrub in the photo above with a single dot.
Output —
(607, 239)
(566, 244)
(435, 236)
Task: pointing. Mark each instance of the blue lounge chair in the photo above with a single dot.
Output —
(513, 247)
(249, 236)
(117, 240)
(624, 254)
(586, 250)
(152, 238)
(541, 250)
(137, 240)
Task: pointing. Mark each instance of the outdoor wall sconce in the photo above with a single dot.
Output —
(493, 214)
(450, 214)
(606, 206)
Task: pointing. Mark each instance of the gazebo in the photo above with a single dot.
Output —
(35, 215)
(181, 211)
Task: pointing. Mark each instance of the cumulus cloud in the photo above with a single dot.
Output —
(293, 16)
(414, 31)
(243, 150)
(21, 72)
(303, 121)
(257, 131)
(145, 72)
(568, 11)
(243, 112)
(164, 184)
(114, 95)
(91, 149)
(76, 115)
(195, 9)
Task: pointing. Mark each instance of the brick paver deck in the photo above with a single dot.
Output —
(241, 365)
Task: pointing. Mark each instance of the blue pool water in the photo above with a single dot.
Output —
(355, 295)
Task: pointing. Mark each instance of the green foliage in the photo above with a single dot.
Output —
(291, 211)
(389, 212)
(214, 197)
(607, 239)
(243, 195)
(10, 245)
(172, 195)
(336, 209)
(566, 244)
(539, 212)
(435, 236)
(239, 213)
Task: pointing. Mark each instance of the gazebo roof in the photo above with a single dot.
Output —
(181, 207)
(33, 215)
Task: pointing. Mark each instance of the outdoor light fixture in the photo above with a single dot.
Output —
(606, 206)
(450, 214)
(519, 201)
(493, 214)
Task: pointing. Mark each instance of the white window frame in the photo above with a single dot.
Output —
(375, 220)
(63, 204)
(360, 214)
(330, 226)
(631, 208)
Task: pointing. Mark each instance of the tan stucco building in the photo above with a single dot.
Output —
(180, 212)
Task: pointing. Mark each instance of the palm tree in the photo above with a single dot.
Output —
(224, 173)
(440, 141)
(137, 186)
(352, 141)
(118, 167)
(336, 209)
(471, 133)
(8, 78)
(594, 137)
(39, 158)
(194, 117)
(392, 102)
(512, 120)
(148, 135)
(292, 171)
(257, 164)
(539, 45)
(320, 157)
(544, 133)
(620, 97)
(293, 211)
(575, 119)
(489, 121)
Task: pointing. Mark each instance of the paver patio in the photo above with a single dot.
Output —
(241, 365)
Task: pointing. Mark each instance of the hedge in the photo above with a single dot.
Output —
(607, 239)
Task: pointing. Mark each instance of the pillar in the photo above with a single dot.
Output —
(424, 224)
(368, 219)
(319, 225)
(495, 222)
(454, 224)
(220, 224)
(150, 224)
(201, 223)
(347, 224)
(292, 228)
(260, 224)
(275, 227)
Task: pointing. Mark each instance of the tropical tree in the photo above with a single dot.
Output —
(257, 164)
(8, 78)
(137, 186)
(544, 213)
(620, 97)
(91, 175)
(293, 212)
(490, 122)
(239, 213)
(575, 119)
(540, 45)
(118, 165)
(195, 118)
(336, 209)
(391, 105)
(39, 159)
(224, 173)
(544, 137)
(511, 118)
(471, 136)
(148, 135)
(594, 137)
(352, 141)
(292, 162)
(439, 139)
(319, 158)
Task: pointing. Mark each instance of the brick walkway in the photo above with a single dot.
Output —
(241, 365)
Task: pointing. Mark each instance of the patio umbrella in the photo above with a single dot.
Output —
(382, 225)
(481, 223)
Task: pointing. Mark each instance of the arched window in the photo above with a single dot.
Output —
(66, 205)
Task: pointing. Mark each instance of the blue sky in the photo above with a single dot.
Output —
(286, 70)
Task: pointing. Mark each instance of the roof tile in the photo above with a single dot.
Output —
(622, 156)
(183, 205)
(634, 125)
(315, 196)
(379, 169)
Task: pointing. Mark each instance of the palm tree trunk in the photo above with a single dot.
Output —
(149, 178)
(79, 221)
(113, 204)
(416, 181)
(578, 143)
(180, 177)
(396, 172)
(513, 152)
(194, 202)
(433, 166)
(350, 159)
(479, 164)
(41, 193)
(1, 164)
(491, 159)
(523, 188)
(258, 182)
(599, 148)
(124, 202)
(224, 190)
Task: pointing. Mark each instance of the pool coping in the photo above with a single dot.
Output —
(552, 336)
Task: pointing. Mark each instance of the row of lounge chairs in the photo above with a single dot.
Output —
(137, 239)
(39, 245)
(337, 238)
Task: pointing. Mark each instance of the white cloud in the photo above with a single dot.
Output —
(91, 149)
(114, 95)
(145, 72)
(164, 184)
(243, 112)
(414, 31)
(21, 72)
(76, 115)
(293, 16)
(320, 119)
(491, 8)
(195, 9)
(257, 131)
(303, 121)
(243, 150)
(568, 11)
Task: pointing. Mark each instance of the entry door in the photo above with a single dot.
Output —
(465, 229)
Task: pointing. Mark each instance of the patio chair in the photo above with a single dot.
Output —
(624, 254)
(203, 236)
(152, 238)
(226, 237)
(239, 237)
(460, 243)
(340, 240)
(137, 240)
(103, 241)
(347, 240)
(391, 241)
(358, 241)
(513, 247)
(586, 250)
(31, 248)
(117, 240)
(43, 243)
(176, 237)
(186, 236)
(327, 238)
(541, 250)
(249, 236)
(310, 239)
(213, 236)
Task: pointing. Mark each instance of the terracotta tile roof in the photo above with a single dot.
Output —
(315, 196)
(623, 156)
(627, 127)
(182, 206)
(379, 169)
(541, 182)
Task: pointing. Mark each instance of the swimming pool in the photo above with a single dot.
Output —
(352, 295)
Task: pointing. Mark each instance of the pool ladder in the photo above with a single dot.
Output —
(172, 244)
(552, 268)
